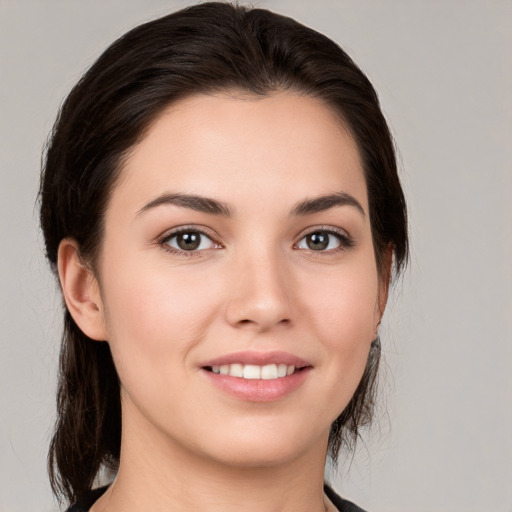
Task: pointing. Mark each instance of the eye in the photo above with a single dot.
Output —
(324, 240)
(189, 240)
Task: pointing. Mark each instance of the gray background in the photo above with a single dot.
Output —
(443, 71)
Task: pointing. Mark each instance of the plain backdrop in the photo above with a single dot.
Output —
(443, 72)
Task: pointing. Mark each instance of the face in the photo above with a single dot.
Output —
(239, 288)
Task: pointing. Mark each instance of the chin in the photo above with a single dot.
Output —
(265, 448)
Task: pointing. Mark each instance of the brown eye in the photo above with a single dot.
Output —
(190, 241)
(317, 241)
(322, 241)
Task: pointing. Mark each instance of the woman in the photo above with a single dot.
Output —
(221, 204)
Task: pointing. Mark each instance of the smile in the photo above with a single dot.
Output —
(252, 371)
(257, 376)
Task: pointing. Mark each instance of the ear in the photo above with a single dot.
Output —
(81, 291)
(384, 282)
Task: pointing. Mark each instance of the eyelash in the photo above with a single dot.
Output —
(345, 241)
(164, 241)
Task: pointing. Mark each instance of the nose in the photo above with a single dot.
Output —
(260, 298)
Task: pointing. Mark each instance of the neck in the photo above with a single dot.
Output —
(160, 475)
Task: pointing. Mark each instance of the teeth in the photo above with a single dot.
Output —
(236, 370)
(252, 371)
(269, 371)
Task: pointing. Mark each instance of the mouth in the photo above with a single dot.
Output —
(257, 376)
(254, 365)
(255, 372)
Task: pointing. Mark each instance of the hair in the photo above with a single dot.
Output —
(206, 48)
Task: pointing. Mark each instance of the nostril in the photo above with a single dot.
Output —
(256, 312)
(246, 321)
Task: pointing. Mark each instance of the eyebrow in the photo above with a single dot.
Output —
(214, 207)
(198, 203)
(322, 203)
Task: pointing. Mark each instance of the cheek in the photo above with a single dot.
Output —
(344, 305)
(342, 309)
(154, 316)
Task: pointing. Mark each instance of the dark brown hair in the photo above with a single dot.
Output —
(202, 49)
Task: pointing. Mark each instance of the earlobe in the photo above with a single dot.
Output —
(81, 291)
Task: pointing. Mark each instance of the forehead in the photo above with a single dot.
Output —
(281, 145)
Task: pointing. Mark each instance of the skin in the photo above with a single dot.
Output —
(254, 284)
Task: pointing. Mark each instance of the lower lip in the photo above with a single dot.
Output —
(258, 390)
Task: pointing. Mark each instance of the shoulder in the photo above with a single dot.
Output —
(87, 501)
(341, 504)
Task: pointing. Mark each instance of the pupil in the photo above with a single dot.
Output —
(189, 241)
(318, 241)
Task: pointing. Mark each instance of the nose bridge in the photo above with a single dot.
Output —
(260, 295)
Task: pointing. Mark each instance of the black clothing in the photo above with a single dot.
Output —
(341, 504)
(88, 501)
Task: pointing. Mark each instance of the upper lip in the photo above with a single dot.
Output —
(258, 358)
